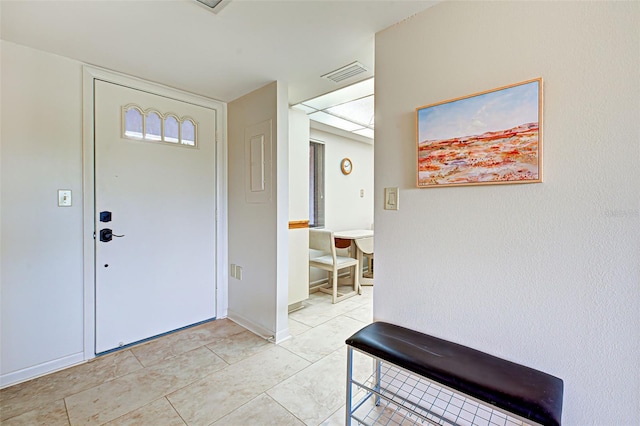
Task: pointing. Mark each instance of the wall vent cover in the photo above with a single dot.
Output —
(345, 72)
(214, 6)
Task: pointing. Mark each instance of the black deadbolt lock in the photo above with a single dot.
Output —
(105, 216)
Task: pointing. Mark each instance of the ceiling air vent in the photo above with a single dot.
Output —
(345, 72)
(214, 6)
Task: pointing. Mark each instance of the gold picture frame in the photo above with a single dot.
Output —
(491, 137)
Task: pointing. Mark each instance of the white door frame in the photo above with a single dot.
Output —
(89, 74)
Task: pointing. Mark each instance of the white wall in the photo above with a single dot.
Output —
(43, 314)
(344, 208)
(41, 288)
(258, 235)
(298, 206)
(282, 213)
(547, 274)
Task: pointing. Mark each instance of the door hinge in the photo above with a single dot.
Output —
(94, 235)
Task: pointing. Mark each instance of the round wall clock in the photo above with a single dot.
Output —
(346, 166)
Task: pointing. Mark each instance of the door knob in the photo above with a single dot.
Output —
(107, 235)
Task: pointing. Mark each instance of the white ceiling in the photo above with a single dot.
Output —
(181, 44)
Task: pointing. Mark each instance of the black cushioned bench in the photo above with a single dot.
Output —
(527, 393)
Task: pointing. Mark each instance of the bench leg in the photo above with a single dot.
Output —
(377, 384)
(349, 386)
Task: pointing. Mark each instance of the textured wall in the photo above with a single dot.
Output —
(547, 274)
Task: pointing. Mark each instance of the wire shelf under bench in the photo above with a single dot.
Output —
(407, 399)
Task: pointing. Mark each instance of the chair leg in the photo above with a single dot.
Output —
(356, 279)
(335, 286)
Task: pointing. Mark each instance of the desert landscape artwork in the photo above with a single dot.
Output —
(491, 137)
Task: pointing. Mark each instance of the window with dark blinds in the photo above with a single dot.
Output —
(316, 185)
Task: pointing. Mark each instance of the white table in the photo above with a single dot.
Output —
(354, 235)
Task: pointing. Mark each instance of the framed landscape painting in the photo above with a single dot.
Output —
(493, 137)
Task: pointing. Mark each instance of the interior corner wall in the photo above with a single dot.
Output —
(282, 213)
(255, 234)
(298, 206)
(546, 275)
(41, 244)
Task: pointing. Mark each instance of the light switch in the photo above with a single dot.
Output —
(391, 198)
(64, 198)
(239, 272)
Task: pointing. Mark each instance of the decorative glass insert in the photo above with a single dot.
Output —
(188, 133)
(152, 125)
(171, 129)
(133, 123)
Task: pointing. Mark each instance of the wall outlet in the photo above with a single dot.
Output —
(235, 271)
(232, 270)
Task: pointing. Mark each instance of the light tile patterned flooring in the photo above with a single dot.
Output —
(217, 373)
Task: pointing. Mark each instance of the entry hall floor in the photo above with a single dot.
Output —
(217, 373)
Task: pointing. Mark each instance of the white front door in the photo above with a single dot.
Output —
(157, 274)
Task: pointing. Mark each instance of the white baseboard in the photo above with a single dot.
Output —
(29, 373)
(258, 329)
(282, 336)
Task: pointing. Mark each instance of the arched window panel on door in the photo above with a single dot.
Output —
(153, 126)
(188, 132)
(133, 122)
(171, 129)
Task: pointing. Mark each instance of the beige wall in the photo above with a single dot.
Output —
(258, 231)
(344, 207)
(547, 274)
(41, 280)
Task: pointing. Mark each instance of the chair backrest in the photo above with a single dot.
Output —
(322, 240)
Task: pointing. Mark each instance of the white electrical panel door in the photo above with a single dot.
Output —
(157, 272)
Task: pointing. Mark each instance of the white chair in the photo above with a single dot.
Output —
(365, 248)
(323, 241)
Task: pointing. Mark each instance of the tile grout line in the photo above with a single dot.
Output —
(176, 410)
(112, 366)
(66, 410)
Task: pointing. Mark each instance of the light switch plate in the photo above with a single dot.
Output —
(391, 198)
(64, 198)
